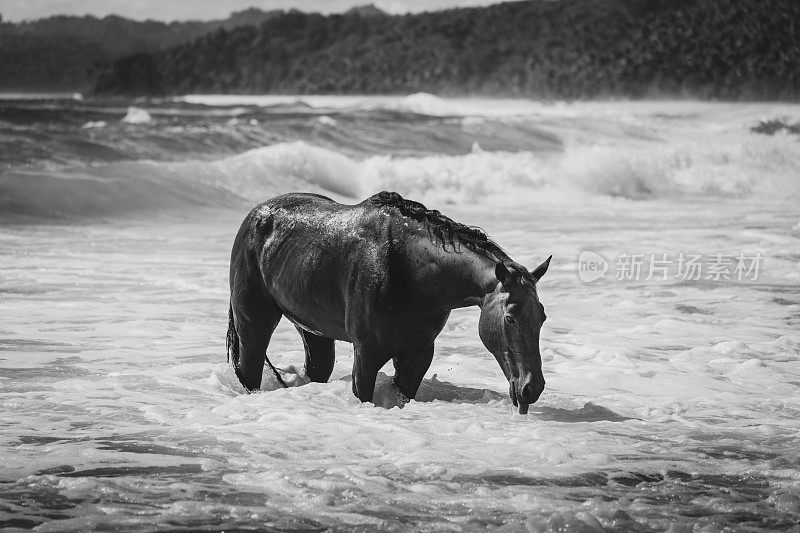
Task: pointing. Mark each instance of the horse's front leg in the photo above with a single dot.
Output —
(366, 363)
(410, 368)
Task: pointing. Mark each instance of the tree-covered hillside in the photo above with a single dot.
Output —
(732, 49)
(66, 53)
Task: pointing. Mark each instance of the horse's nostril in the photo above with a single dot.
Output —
(531, 391)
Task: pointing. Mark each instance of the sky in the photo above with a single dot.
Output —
(15, 10)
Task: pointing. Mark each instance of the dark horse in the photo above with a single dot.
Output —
(383, 274)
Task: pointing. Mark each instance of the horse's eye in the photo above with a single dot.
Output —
(510, 319)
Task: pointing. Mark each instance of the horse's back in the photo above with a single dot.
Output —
(280, 211)
(291, 205)
(308, 253)
(298, 200)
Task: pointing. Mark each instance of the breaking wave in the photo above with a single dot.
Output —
(765, 169)
(100, 160)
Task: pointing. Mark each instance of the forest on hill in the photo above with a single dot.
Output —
(65, 54)
(726, 49)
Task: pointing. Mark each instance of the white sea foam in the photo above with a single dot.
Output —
(749, 166)
(641, 154)
(669, 404)
(116, 351)
(137, 115)
(425, 104)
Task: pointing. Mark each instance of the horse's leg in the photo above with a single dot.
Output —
(366, 363)
(254, 319)
(320, 356)
(409, 370)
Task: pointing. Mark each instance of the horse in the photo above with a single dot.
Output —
(383, 274)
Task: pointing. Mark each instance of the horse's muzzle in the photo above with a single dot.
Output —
(525, 391)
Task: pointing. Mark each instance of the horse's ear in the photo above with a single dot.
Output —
(501, 272)
(541, 269)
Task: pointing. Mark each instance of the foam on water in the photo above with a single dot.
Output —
(673, 403)
(639, 151)
(137, 115)
(669, 404)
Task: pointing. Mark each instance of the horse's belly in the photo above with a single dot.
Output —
(325, 319)
(324, 328)
(330, 331)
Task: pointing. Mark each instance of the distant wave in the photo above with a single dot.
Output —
(32, 133)
(765, 168)
(4, 95)
(417, 103)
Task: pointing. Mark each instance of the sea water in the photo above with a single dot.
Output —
(673, 391)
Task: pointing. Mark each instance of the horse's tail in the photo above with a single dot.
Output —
(232, 346)
(277, 374)
(231, 339)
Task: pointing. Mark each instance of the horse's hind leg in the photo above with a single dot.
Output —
(254, 317)
(320, 356)
(410, 368)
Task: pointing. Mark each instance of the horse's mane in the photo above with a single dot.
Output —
(442, 228)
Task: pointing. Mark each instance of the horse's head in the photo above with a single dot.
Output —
(511, 318)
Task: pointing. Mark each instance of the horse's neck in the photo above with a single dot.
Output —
(462, 279)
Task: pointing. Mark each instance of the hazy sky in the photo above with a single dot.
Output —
(204, 9)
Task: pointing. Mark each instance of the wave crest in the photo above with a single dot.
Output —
(762, 167)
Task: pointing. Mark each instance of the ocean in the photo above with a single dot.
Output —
(671, 350)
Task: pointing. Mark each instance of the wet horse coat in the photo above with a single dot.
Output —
(383, 274)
